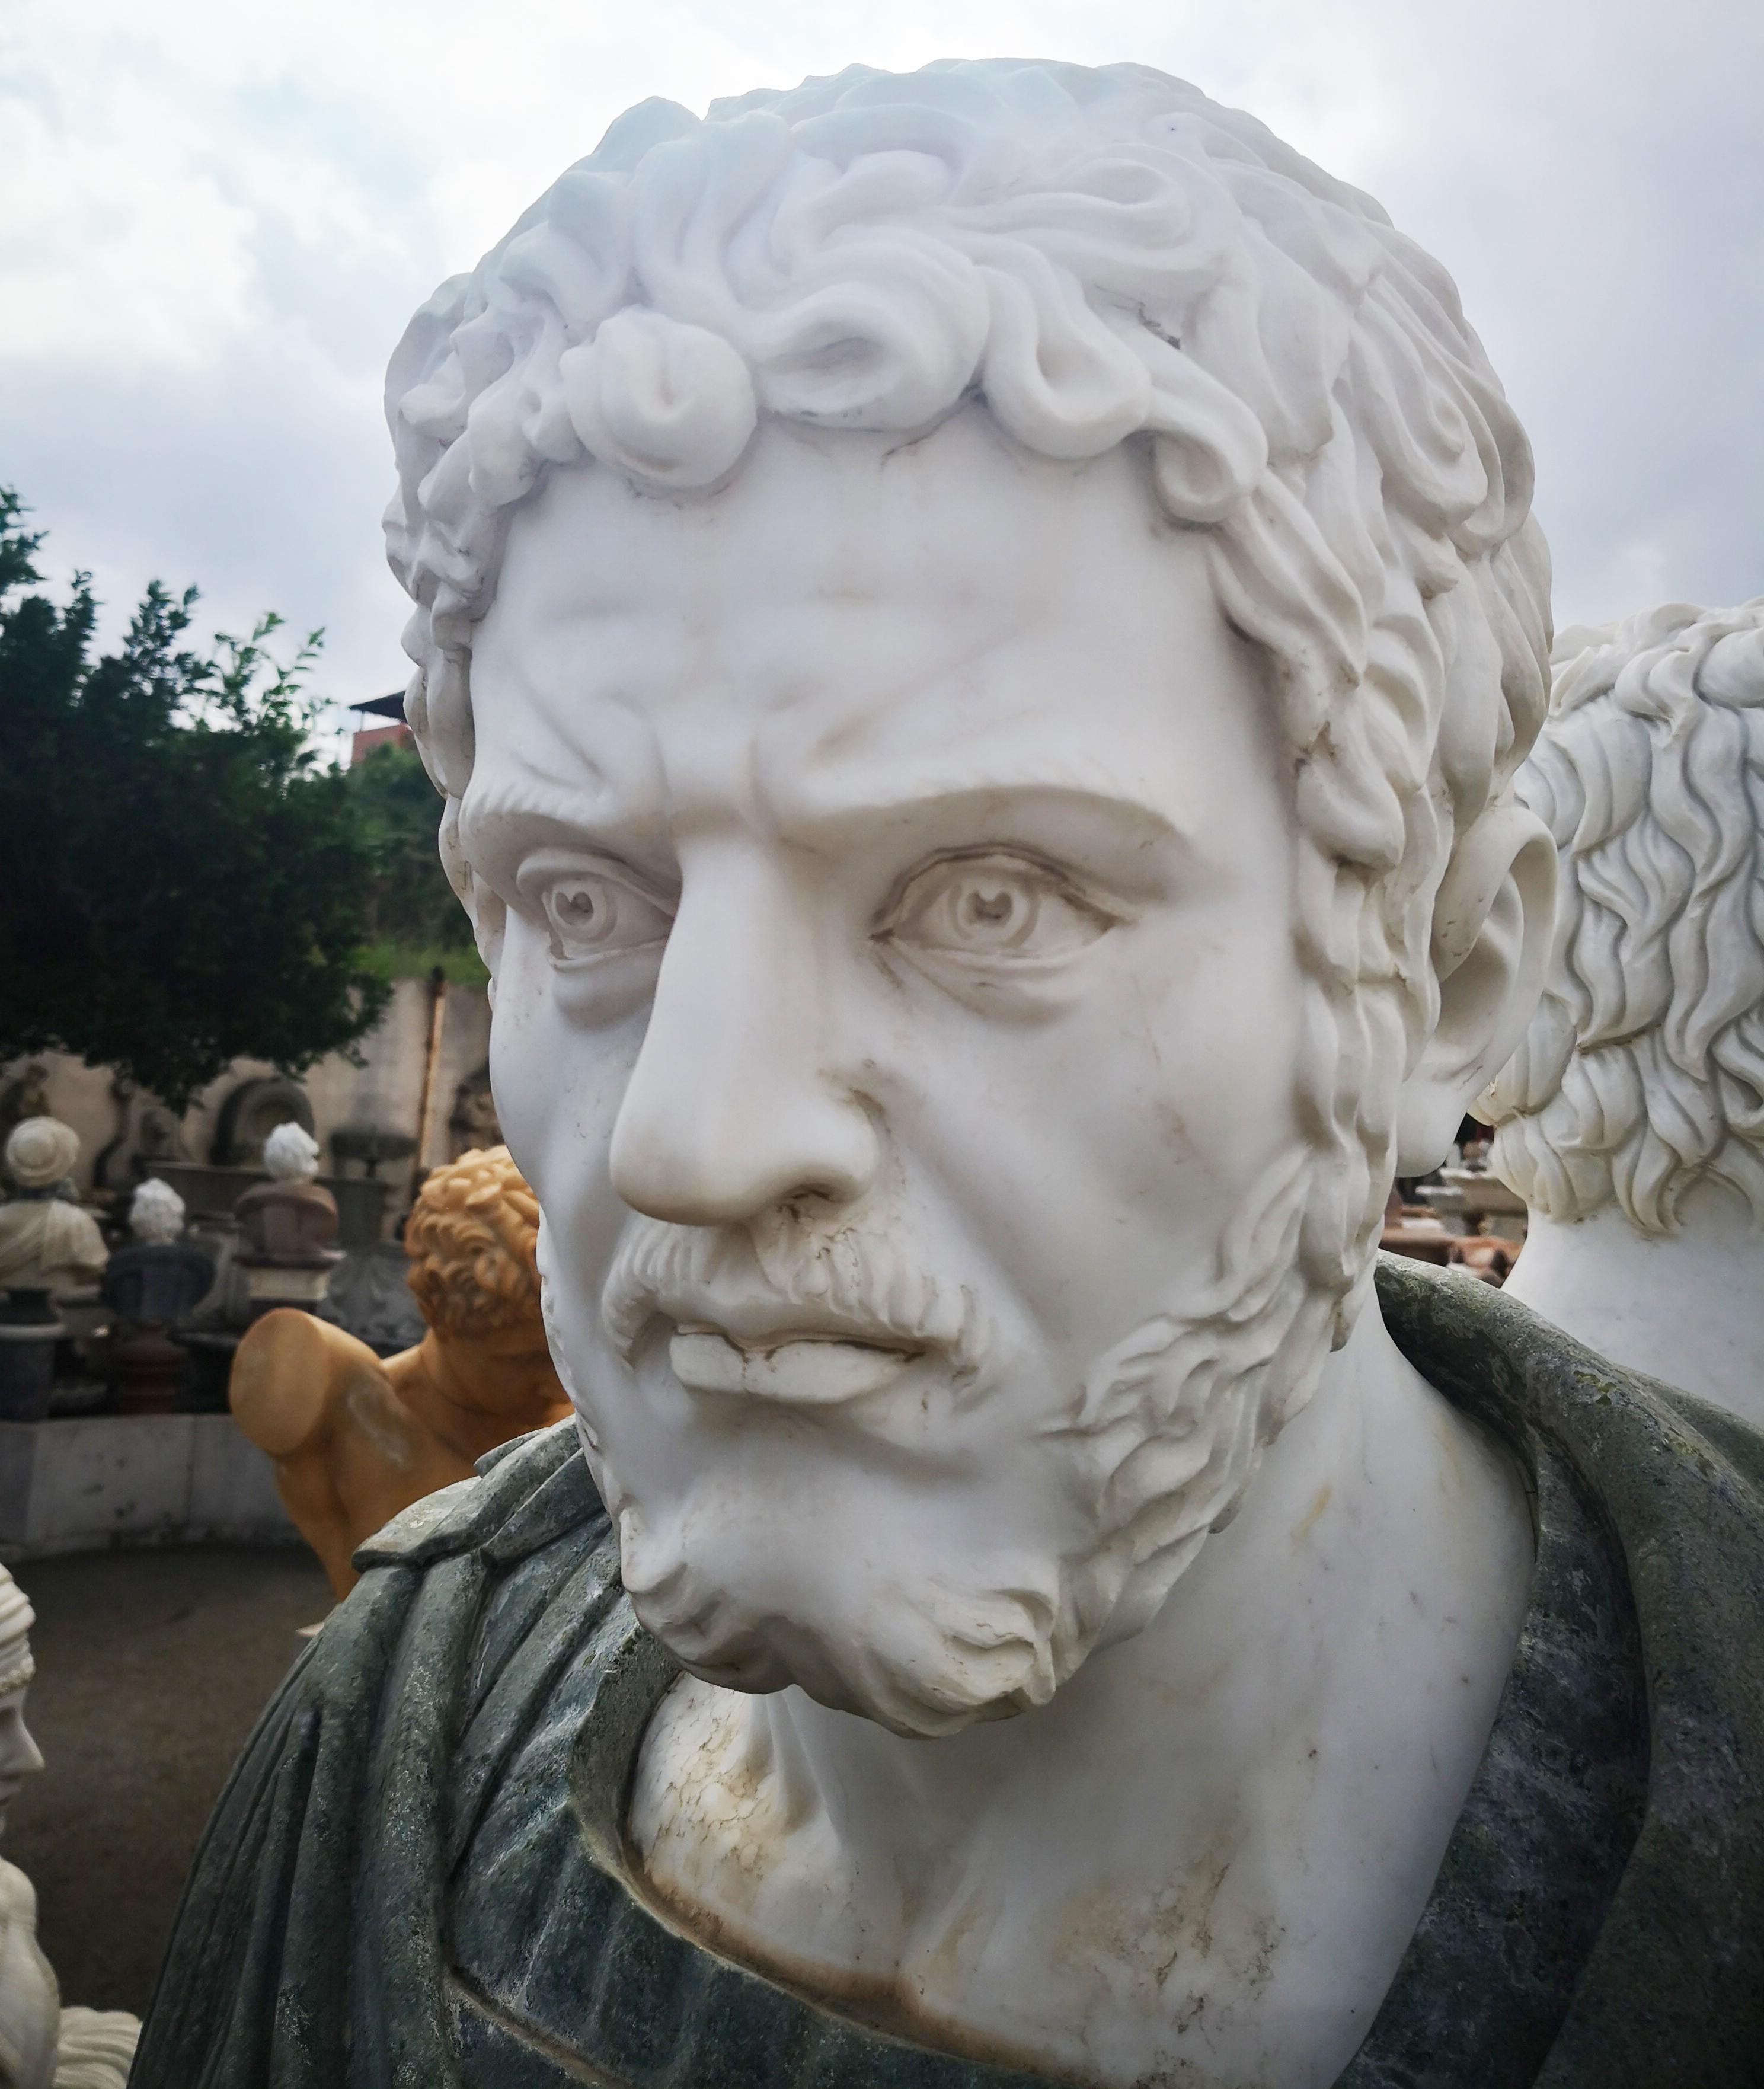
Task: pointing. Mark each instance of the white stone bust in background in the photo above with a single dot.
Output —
(1631, 1119)
(45, 1242)
(976, 641)
(156, 1213)
(42, 2046)
(291, 1153)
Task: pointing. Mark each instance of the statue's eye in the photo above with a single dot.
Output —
(591, 914)
(996, 908)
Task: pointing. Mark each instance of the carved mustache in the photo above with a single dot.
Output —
(775, 1278)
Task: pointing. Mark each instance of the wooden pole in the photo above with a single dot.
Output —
(431, 1058)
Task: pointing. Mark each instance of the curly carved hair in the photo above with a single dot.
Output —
(470, 1239)
(1642, 1073)
(1099, 256)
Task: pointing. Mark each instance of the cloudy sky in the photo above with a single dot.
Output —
(216, 214)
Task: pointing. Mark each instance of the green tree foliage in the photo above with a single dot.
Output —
(415, 919)
(183, 881)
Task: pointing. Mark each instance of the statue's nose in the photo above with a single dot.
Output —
(734, 1106)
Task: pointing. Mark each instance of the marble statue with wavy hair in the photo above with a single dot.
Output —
(355, 1439)
(1631, 1119)
(975, 629)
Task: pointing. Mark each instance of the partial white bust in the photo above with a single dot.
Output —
(157, 1213)
(1631, 1119)
(42, 2046)
(291, 1153)
(45, 1243)
(19, 1758)
(976, 628)
(41, 1151)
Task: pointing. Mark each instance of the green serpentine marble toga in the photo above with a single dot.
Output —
(416, 1877)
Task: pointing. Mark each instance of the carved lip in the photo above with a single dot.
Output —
(797, 1368)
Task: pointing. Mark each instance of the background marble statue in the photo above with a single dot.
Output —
(42, 2046)
(156, 1213)
(1631, 1119)
(45, 1242)
(287, 1224)
(152, 1284)
(355, 1439)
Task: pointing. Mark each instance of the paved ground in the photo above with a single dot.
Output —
(151, 1668)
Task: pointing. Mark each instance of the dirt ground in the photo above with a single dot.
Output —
(151, 1668)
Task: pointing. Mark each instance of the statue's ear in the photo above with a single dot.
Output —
(1492, 924)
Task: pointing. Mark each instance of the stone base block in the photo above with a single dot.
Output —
(283, 1283)
(87, 1482)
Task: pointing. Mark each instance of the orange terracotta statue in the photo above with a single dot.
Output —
(355, 1439)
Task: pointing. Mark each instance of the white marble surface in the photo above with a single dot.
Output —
(156, 1213)
(1211, 1848)
(1631, 1117)
(291, 1153)
(980, 754)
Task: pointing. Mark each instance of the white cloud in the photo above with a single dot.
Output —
(215, 219)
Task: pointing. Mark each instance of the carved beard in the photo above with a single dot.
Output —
(1159, 1445)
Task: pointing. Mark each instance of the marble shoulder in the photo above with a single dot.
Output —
(524, 1494)
(1675, 1984)
(1518, 1373)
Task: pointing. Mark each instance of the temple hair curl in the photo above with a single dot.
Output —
(1099, 256)
(470, 1239)
(1642, 1073)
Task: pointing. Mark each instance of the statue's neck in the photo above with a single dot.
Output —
(1685, 1306)
(473, 1397)
(1321, 1682)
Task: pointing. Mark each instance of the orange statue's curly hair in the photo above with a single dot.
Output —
(470, 1238)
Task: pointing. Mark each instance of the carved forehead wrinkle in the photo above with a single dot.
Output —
(535, 763)
(863, 623)
(836, 517)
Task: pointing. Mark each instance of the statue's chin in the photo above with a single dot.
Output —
(922, 1655)
(926, 1627)
(901, 1689)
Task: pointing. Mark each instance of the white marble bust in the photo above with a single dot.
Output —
(1631, 1119)
(156, 1213)
(45, 1242)
(977, 631)
(291, 1153)
(42, 2046)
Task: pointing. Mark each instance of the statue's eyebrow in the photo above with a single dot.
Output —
(913, 792)
(507, 812)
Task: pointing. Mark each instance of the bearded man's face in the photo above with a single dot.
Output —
(897, 1018)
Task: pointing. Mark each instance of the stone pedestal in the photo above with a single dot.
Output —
(289, 1225)
(29, 1330)
(151, 1288)
(291, 1222)
(91, 1482)
(271, 1282)
(27, 1371)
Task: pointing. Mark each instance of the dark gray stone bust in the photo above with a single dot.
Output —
(419, 1874)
